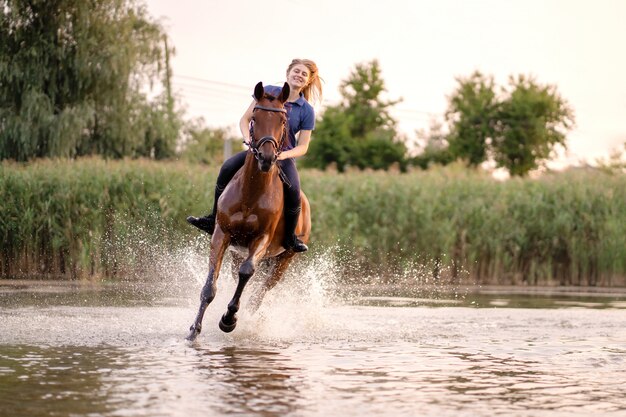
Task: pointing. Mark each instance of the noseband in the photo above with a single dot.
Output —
(256, 145)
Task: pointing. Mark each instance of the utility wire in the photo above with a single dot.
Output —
(217, 91)
(203, 80)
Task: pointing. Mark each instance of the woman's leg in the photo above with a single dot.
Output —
(292, 206)
(227, 172)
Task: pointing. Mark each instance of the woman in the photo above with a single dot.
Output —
(304, 84)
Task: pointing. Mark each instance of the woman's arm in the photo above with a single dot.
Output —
(244, 123)
(304, 137)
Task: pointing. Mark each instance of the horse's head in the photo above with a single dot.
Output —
(269, 122)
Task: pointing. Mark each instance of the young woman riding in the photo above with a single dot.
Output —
(305, 85)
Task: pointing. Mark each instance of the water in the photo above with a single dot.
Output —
(312, 350)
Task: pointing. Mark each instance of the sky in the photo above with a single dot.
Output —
(223, 48)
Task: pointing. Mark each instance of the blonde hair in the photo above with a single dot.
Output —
(313, 89)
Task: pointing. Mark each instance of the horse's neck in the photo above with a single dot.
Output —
(254, 182)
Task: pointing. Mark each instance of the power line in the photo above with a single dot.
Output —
(209, 88)
(204, 80)
(212, 93)
(230, 99)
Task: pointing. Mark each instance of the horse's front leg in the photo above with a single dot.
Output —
(255, 253)
(219, 243)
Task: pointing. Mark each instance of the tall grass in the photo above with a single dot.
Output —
(78, 218)
(567, 228)
(83, 218)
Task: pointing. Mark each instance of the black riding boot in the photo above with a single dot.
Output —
(291, 240)
(227, 172)
(207, 223)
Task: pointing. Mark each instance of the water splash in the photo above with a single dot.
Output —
(170, 271)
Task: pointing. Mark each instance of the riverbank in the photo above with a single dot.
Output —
(59, 286)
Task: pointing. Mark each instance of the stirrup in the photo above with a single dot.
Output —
(206, 223)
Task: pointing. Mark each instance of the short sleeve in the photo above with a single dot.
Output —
(308, 118)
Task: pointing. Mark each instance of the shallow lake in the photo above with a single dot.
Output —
(313, 349)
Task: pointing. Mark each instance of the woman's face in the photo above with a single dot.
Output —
(298, 77)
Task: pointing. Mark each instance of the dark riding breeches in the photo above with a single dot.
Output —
(292, 189)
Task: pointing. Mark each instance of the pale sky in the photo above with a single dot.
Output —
(223, 48)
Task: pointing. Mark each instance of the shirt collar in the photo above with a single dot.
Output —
(300, 101)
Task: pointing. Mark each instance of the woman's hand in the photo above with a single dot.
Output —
(304, 137)
(288, 154)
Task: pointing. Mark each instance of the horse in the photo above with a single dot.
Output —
(250, 213)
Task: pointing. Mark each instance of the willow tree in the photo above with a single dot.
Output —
(74, 76)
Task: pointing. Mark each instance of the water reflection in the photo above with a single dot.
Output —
(394, 358)
(250, 381)
(52, 381)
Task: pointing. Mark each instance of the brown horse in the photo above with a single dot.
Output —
(250, 212)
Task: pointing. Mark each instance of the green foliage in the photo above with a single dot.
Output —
(561, 229)
(359, 131)
(362, 102)
(80, 218)
(75, 219)
(615, 163)
(531, 122)
(72, 80)
(205, 145)
(377, 150)
(471, 116)
(332, 142)
(435, 149)
(519, 128)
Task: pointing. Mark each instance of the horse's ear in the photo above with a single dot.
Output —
(259, 91)
(284, 93)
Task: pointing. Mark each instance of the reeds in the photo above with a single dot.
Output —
(76, 219)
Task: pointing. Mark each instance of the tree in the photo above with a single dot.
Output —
(72, 80)
(362, 103)
(531, 122)
(434, 146)
(359, 131)
(471, 112)
(519, 128)
(333, 142)
(204, 145)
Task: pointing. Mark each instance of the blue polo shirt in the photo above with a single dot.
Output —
(300, 115)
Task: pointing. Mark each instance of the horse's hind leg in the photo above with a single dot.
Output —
(219, 243)
(280, 267)
(229, 319)
(235, 262)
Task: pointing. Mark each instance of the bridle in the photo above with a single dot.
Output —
(256, 145)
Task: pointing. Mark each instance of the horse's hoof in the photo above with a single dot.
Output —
(225, 327)
(193, 333)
